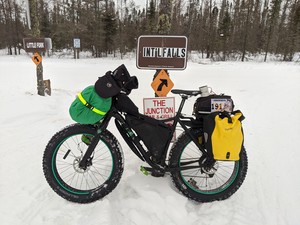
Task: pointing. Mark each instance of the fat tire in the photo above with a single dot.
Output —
(61, 188)
(181, 184)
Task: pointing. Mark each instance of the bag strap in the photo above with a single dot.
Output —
(88, 105)
(242, 115)
(227, 115)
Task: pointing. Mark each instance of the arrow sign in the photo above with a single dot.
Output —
(36, 58)
(162, 84)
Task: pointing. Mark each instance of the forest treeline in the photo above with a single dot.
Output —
(218, 29)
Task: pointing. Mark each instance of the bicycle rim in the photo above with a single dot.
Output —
(65, 165)
(203, 180)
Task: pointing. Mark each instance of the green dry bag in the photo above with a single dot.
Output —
(89, 107)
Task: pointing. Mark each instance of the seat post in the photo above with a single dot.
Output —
(183, 99)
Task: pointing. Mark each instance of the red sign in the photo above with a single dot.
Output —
(159, 108)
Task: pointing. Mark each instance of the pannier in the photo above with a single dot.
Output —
(212, 103)
(153, 133)
(89, 107)
(223, 135)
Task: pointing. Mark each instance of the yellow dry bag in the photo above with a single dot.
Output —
(223, 135)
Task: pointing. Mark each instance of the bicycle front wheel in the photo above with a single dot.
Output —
(218, 181)
(61, 164)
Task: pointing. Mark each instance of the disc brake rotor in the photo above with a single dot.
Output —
(77, 167)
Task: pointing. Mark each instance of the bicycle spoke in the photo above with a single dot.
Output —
(68, 164)
(206, 179)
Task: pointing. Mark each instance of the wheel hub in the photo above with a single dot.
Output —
(208, 166)
(77, 168)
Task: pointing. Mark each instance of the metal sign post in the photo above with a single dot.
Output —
(161, 53)
(76, 45)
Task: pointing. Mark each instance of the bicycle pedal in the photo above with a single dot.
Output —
(144, 171)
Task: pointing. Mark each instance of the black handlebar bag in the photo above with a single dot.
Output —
(106, 86)
(223, 135)
(112, 83)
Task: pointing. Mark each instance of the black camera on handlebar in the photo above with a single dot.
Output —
(112, 83)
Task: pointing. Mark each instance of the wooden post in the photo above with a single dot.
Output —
(36, 33)
(40, 80)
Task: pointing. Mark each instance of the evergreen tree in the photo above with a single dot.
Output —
(44, 19)
(272, 25)
(293, 32)
(151, 18)
(224, 32)
(164, 18)
(256, 31)
(247, 26)
(225, 29)
(110, 27)
(11, 27)
(212, 34)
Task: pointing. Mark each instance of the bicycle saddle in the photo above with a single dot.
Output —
(186, 92)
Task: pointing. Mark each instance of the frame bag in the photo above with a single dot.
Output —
(223, 135)
(153, 133)
(89, 107)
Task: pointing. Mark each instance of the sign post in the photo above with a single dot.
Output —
(36, 46)
(161, 53)
(76, 45)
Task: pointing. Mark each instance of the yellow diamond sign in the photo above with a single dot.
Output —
(162, 84)
(36, 58)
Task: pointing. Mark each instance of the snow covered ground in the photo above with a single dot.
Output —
(267, 93)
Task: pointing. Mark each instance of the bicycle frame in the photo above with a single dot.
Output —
(133, 141)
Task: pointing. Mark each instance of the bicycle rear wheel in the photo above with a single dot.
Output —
(217, 181)
(61, 164)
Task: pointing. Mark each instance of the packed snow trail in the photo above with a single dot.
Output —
(267, 93)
